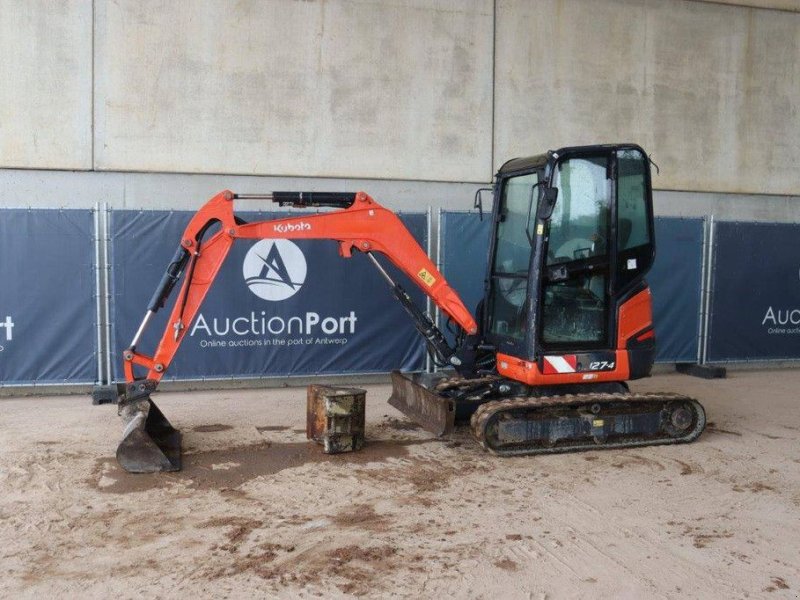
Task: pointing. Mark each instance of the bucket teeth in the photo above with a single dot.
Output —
(149, 442)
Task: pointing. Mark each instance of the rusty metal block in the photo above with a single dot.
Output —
(335, 417)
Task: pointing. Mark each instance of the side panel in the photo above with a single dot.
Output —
(635, 333)
(632, 358)
(533, 373)
(634, 316)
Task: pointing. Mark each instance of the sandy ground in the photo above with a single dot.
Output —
(259, 512)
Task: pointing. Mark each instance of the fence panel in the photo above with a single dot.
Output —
(277, 308)
(755, 292)
(676, 283)
(48, 322)
(464, 249)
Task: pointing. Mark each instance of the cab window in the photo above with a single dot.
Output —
(579, 224)
(635, 248)
(575, 290)
(512, 257)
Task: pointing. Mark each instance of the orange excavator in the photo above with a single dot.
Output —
(542, 367)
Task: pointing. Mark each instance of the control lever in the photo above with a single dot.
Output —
(559, 273)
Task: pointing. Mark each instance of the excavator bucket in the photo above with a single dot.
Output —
(149, 443)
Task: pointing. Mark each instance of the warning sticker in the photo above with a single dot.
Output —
(427, 277)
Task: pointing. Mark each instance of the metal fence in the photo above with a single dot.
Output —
(49, 297)
(74, 283)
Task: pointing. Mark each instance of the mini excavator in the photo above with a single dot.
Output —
(542, 367)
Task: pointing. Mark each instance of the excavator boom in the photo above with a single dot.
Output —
(364, 225)
(150, 443)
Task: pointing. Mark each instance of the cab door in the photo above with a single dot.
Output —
(508, 282)
(575, 298)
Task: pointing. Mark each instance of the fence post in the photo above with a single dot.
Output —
(701, 368)
(105, 391)
(97, 285)
(439, 261)
(708, 280)
(106, 291)
(428, 303)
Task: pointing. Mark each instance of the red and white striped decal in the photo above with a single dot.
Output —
(567, 363)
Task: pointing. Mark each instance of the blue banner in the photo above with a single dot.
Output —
(675, 277)
(464, 250)
(676, 283)
(755, 302)
(47, 305)
(277, 307)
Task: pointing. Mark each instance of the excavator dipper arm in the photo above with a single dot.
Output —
(363, 224)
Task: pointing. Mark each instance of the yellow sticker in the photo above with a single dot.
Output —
(539, 229)
(427, 277)
(597, 423)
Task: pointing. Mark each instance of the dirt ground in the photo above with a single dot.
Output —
(259, 512)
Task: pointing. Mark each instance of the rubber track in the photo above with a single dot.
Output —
(481, 417)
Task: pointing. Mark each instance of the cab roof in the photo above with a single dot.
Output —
(528, 163)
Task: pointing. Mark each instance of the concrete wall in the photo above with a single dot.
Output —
(24, 188)
(789, 5)
(387, 95)
(349, 89)
(711, 91)
(46, 84)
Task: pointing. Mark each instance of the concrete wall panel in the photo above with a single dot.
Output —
(711, 91)
(361, 88)
(790, 5)
(46, 84)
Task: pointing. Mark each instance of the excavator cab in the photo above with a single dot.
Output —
(566, 318)
(572, 241)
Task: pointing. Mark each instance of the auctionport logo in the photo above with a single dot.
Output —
(274, 269)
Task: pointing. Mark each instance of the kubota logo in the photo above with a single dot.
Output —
(274, 269)
(289, 227)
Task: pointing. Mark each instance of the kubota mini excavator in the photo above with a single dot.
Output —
(564, 323)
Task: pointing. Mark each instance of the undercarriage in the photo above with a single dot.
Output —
(510, 419)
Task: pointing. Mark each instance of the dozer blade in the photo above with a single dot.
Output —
(149, 443)
(550, 424)
(413, 398)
